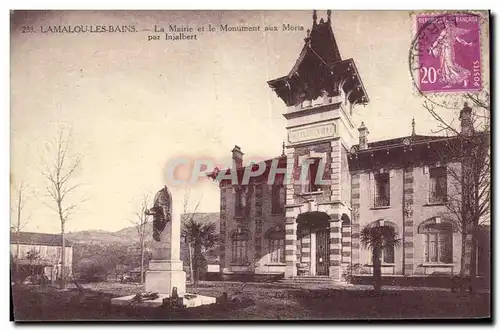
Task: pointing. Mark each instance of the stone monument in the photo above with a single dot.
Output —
(166, 275)
(165, 268)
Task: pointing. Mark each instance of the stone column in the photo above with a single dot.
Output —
(290, 247)
(355, 229)
(335, 247)
(346, 243)
(166, 269)
(305, 254)
(408, 223)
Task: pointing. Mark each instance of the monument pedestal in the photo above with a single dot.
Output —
(164, 275)
(166, 272)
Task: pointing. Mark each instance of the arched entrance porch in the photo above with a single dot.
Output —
(313, 244)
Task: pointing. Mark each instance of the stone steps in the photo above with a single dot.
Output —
(309, 280)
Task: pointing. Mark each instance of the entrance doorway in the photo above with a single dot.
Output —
(313, 229)
(322, 252)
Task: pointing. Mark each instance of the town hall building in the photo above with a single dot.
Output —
(300, 228)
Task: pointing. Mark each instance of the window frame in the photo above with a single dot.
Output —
(238, 206)
(239, 248)
(376, 190)
(312, 174)
(433, 185)
(439, 243)
(276, 250)
(275, 245)
(443, 237)
(278, 199)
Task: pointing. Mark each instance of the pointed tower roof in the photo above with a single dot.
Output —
(320, 67)
(320, 42)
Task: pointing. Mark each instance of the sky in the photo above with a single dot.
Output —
(133, 105)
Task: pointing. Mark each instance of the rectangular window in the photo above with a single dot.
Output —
(240, 251)
(278, 199)
(445, 248)
(238, 205)
(276, 250)
(432, 251)
(382, 190)
(311, 176)
(438, 185)
(439, 248)
(388, 255)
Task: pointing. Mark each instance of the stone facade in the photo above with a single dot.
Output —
(317, 231)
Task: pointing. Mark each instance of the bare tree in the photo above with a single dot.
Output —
(468, 203)
(58, 174)
(141, 226)
(18, 223)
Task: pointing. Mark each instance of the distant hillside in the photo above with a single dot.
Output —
(127, 235)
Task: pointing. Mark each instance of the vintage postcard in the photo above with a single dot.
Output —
(250, 165)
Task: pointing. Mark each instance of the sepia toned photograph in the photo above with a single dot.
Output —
(196, 165)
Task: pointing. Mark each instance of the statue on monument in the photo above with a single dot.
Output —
(161, 212)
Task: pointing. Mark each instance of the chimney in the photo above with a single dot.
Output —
(237, 157)
(363, 139)
(466, 127)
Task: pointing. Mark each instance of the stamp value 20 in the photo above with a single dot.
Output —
(450, 53)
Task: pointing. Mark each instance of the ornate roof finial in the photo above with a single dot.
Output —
(283, 149)
(308, 38)
(413, 126)
(315, 17)
(328, 15)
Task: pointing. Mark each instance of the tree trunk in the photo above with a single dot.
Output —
(142, 261)
(196, 267)
(377, 270)
(462, 254)
(63, 256)
(190, 262)
(18, 250)
(473, 260)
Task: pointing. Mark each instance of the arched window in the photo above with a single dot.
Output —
(387, 254)
(276, 244)
(278, 199)
(438, 240)
(239, 240)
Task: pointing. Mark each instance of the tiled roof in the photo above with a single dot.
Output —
(35, 238)
(399, 141)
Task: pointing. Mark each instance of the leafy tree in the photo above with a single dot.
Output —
(33, 255)
(200, 235)
(378, 238)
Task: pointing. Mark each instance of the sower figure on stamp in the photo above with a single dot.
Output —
(444, 47)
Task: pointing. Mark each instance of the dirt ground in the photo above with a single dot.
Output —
(258, 301)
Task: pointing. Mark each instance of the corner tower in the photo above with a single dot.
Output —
(319, 92)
